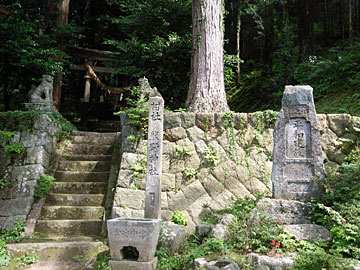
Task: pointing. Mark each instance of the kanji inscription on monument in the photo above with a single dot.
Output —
(297, 155)
(154, 159)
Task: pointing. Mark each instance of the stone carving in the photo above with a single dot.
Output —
(44, 89)
(146, 90)
(142, 234)
(154, 158)
(297, 155)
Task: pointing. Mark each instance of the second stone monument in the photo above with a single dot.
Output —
(297, 155)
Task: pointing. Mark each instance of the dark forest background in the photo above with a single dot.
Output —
(268, 44)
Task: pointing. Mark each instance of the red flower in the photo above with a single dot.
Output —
(261, 222)
(246, 246)
(277, 245)
(281, 221)
(273, 243)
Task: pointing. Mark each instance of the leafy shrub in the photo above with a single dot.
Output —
(338, 209)
(44, 184)
(179, 218)
(318, 260)
(7, 236)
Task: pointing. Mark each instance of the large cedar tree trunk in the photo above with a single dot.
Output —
(206, 89)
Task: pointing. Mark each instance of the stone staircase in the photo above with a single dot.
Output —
(72, 216)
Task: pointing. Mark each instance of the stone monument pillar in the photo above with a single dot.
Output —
(297, 155)
(154, 159)
(142, 234)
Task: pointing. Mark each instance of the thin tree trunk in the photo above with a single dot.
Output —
(342, 19)
(238, 53)
(62, 19)
(326, 19)
(206, 88)
(350, 19)
(6, 94)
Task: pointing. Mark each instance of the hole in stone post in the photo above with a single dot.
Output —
(130, 253)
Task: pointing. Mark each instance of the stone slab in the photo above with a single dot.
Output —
(132, 265)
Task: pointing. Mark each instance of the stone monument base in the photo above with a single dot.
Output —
(133, 265)
(44, 107)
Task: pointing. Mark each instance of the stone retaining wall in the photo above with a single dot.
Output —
(210, 158)
(21, 173)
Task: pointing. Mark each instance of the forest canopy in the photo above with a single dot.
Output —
(267, 45)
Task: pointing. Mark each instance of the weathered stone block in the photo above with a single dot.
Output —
(195, 134)
(175, 134)
(172, 236)
(172, 120)
(222, 200)
(167, 182)
(198, 208)
(177, 201)
(262, 262)
(27, 172)
(133, 199)
(339, 123)
(16, 207)
(37, 155)
(212, 186)
(193, 191)
(143, 234)
(287, 211)
(131, 265)
(308, 232)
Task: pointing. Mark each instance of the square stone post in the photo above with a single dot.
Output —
(154, 158)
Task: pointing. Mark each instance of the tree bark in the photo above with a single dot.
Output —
(342, 19)
(62, 19)
(206, 88)
(350, 19)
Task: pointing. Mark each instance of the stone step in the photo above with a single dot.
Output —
(87, 157)
(85, 166)
(88, 139)
(69, 227)
(56, 251)
(64, 176)
(88, 149)
(93, 134)
(79, 187)
(75, 199)
(72, 212)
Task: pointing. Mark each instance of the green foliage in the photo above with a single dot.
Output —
(155, 39)
(24, 121)
(137, 115)
(210, 157)
(104, 263)
(4, 254)
(179, 218)
(13, 149)
(190, 173)
(319, 259)
(338, 209)
(43, 185)
(7, 236)
(25, 53)
(183, 151)
(255, 237)
(27, 259)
